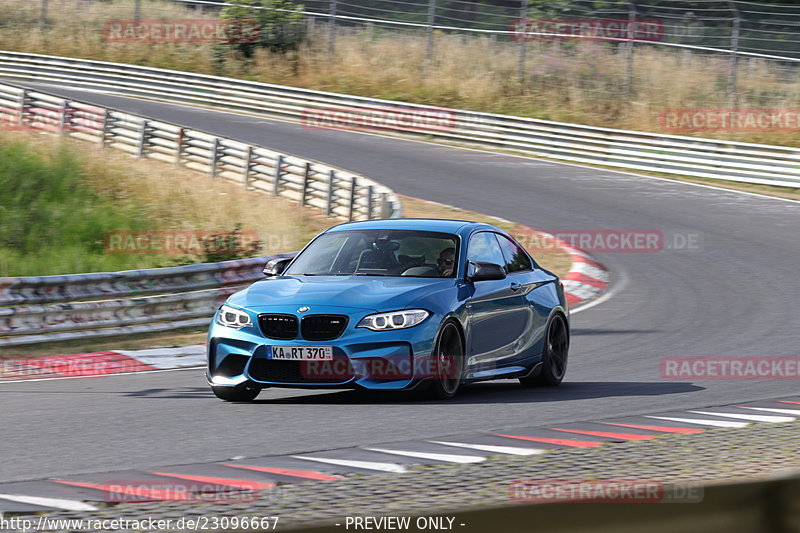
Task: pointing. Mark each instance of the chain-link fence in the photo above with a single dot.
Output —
(723, 53)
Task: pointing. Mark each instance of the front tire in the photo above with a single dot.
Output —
(554, 356)
(246, 392)
(448, 362)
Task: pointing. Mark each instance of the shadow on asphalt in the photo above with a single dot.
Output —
(496, 392)
(506, 391)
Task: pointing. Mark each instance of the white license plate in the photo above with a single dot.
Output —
(300, 353)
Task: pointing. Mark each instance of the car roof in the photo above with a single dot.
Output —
(421, 224)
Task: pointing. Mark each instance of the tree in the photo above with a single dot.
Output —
(280, 25)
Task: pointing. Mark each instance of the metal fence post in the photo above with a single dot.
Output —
(137, 10)
(523, 45)
(331, 185)
(248, 163)
(629, 48)
(306, 177)
(431, 20)
(43, 14)
(370, 194)
(23, 104)
(104, 127)
(733, 64)
(212, 172)
(142, 151)
(179, 151)
(64, 120)
(353, 186)
(278, 169)
(332, 29)
(386, 206)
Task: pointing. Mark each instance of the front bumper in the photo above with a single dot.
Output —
(377, 360)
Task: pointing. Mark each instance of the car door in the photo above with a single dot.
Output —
(498, 313)
(530, 284)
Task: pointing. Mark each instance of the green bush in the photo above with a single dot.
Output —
(280, 24)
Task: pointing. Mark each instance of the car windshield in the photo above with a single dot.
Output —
(379, 252)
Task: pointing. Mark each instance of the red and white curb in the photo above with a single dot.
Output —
(586, 279)
(102, 363)
(240, 480)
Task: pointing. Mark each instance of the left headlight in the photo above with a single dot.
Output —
(393, 320)
(233, 318)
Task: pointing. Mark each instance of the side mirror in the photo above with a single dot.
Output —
(481, 271)
(275, 267)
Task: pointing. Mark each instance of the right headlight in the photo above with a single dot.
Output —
(232, 317)
(393, 320)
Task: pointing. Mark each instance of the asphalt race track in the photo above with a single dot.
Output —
(734, 296)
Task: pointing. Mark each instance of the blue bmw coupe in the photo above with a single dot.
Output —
(402, 304)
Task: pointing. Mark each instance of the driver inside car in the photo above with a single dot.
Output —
(446, 261)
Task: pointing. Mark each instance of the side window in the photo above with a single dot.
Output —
(483, 247)
(515, 257)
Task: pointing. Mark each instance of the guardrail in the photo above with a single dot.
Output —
(78, 306)
(667, 154)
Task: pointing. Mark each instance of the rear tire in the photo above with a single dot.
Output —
(554, 356)
(448, 351)
(246, 392)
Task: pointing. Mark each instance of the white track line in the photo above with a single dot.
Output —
(793, 412)
(711, 423)
(754, 418)
(367, 465)
(444, 457)
(508, 450)
(52, 503)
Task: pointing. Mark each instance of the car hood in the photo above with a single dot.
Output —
(358, 292)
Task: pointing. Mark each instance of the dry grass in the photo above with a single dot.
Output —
(572, 82)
